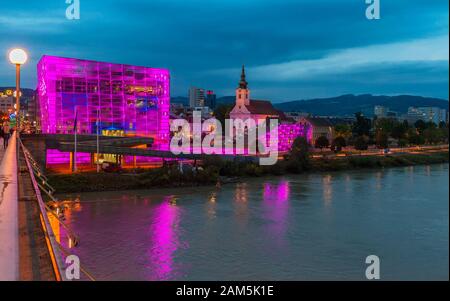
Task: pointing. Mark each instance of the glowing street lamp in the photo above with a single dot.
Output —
(18, 57)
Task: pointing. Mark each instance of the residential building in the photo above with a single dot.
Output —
(211, 99)
(380, 111)
(196, 97)
(323, 126)
(434, 114)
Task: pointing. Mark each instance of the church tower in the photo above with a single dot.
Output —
(242, 92)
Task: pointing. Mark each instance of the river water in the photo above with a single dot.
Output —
(318, 226)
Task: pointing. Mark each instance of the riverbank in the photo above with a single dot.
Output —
(214, 172)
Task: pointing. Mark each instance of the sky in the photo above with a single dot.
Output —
(292, 49)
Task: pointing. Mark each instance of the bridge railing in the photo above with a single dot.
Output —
(52, 244)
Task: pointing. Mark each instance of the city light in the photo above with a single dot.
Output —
(18, 56)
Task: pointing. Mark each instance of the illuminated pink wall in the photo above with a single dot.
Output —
(287, 132)
(130, 98)
(135, 99)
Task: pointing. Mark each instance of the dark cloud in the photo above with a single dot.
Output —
(193, 37)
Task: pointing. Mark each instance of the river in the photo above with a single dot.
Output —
(318, 226)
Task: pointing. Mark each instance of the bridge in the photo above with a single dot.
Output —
(29, 248)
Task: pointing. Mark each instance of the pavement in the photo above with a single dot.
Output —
(9, 236)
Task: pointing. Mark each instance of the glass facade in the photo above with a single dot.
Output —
(131, 99)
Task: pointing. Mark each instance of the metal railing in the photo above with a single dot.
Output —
(52, 243)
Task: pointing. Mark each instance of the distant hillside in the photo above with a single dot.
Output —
(345, 104)
(180, 99)
(349, 104)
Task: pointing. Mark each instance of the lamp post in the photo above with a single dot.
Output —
(18, 57)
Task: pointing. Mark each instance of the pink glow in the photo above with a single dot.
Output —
(130, 98)
(279, 193)
(56, 157)
(276, 209)
(287, 132)
(164, 241)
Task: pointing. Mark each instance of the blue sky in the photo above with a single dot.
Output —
(293, 49)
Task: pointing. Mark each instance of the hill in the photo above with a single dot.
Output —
(345, 105)
(349, 104)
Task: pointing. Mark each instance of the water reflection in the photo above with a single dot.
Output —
(211, 205)
(327, 189)
(241, 193)
(378, 180)
(64, 210)
(278, 192)
(303, 227)
(428, 170)
(276, 206)
(240, 203)
(164, 240)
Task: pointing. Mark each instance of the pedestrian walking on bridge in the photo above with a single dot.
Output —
(6, 134)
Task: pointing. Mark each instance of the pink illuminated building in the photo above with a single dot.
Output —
(131, 100)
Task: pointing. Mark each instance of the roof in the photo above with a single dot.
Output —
(285, 118)
(262, 107)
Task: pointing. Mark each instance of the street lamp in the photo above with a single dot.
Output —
(18, 57)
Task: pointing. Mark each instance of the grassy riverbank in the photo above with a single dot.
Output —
(215, 169)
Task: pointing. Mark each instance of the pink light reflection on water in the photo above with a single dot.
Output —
(165, 241)
(276, 207)
(278, 193)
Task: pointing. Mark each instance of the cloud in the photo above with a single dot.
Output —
(284, 42)
(349, 60)
(33, 22)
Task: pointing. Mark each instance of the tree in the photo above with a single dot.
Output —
(343, 130)
(300, 146)
(361, 143)
(222, 112)
(415, 138)
(399, 130)
(381, 139)
(298, 158)
(338, 143)
(322, 142)
(420, 125)
(402, 142)
(385, 124)
(444, 134)
(432, 135)
(362, 126)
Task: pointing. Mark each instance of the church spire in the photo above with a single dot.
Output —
(243, 82)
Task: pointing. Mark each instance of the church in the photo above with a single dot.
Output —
(246, 108)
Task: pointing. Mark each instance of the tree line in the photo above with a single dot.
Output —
(384, 132)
